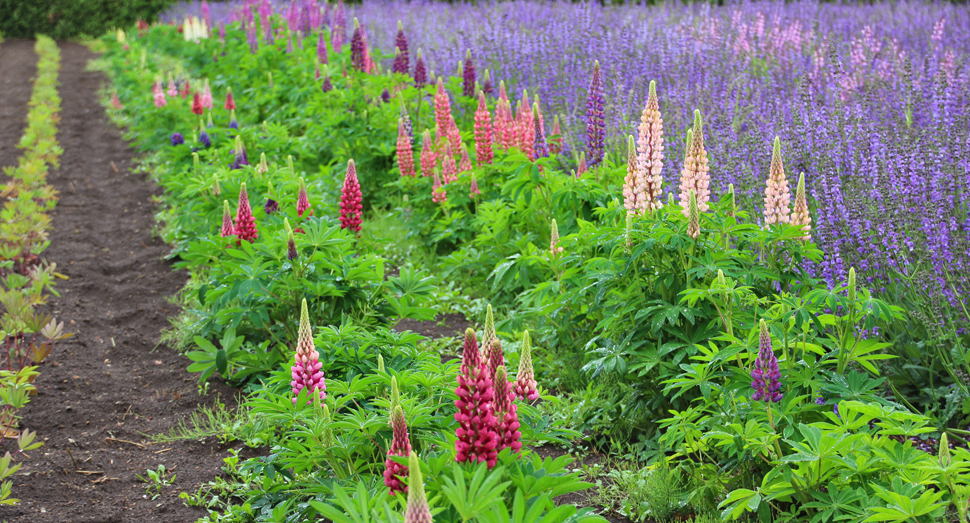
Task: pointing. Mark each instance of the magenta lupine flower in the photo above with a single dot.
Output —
(483, 132)
(206, 95)
(468, 76)
(800, 215)
(420, 72)
(306, 367)
(765, 376)
(322, 57)
(449, 171)
(400, 444)
(474, 191)
(405, 156)
(477, 440)
(357, 48)
(245, 222)
(525, 382)
(230, 101)
(159, 94)
(650, 153)
(506, 413)
(228, 227)
(326, 86)
(595, 121)
(428, 158)
(487, 87)
(417, 510)
(496, 359)
(337, 37)
(303, 201)
(350, 200)
(465, 164)
(777, 194)
(205, 14)
(630, 181)
(438, 193)
(540, 150)
(402, 61)
(291, 252)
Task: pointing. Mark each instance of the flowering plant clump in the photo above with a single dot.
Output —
(477, 439)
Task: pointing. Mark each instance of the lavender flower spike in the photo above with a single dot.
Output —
(765, 376)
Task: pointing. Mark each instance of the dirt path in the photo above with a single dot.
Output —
(107, 384)
(18, 67)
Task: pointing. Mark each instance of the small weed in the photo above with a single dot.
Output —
(156, 480)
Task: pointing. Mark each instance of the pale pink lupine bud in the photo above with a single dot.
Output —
(306, 367)
(777, 194)
(405, 156)
(438, 193)
(449, 171)
(417, 510)
(555, 141)
(695, 175)
(554, 247)
(483, 132)
(228, 228)
(474, 191)
(630, 181)
(428, 158)
(582, 167)
(303, 201)
(506, 414)
(693, 216)
(206, 95)
(525, 382)
(650, 154)
(158, 93)
(488, 332)
(465, 164)
(800, 215)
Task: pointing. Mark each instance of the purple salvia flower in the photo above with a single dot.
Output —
(595, 120)
(765, 376)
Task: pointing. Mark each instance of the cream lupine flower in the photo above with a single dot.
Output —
(800, 215)
(777, 194)
(650, 154)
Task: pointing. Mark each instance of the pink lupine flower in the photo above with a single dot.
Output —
(454, 135)
(483, 132)
(477, 440)
(306, 367)
(555, 141)
(350, 200)
(581, 168)
(172, 89)
(159, 95)
(184, 93)
(503, 122)
(417, 510)
(554, 248)
(400, 444)
(228, 227)
(695, 176)
(777, 194)
(465, 164)
(438, 193)
(526, 128)
(693, 216)
(474, 190)
(800, 215)
(630, 181)
(428, 158)
(206, 95)
(303, 201)
(650, 155)
(245, 222)
(230, 102)
(405, 156)
(115, 101)
(442, 105)
(449, 171)
(506, 414)
(525, 382)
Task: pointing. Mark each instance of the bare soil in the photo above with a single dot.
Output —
(106, 387)
(18, 67)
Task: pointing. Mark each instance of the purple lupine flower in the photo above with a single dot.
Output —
(541, 149)
(385, 95)
(820, 401)
(204, 138)
(358, 48)
(420, 72)
(322, 49)
(595, 120)
(402, 62)
(487, 86)
(765, 376)
(177, 139)
(271, 206)
(468, 76)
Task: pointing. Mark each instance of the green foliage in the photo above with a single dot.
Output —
(62, 19)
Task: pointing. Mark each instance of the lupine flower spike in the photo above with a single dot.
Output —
(732, 204)
(465, 164)
(241, 158)
(693, 217)
(449, 171)
(650, 155)
(483, 132)
(245, 222)
(216, 190)
(306, 371)
(488, 332)
(159, 94)
(263, 166)
(206, 95)
(468, 76)
(695, 176)
(540, 148)
(228, 228)
(204, 136)
(350, 200)
(303, 201)
(438, 193)
(777, 195)
(405, 156)
(402, 62)
(197, 104)
(327, 85)
(506, 413)
(322, 49)
(487, 86)
(800, 216)
(555, 141)
(233, 124)
(400, 445)
(177, 139)
(477, 440)
(496, 358)
(595, 121)
(630, 181)
(581, 168)
(230, 102)
(420, 72)
(765, 376)
(442, 110)
(474, 191)
(291, 251)
(525, 381)
(417, 510)
(428, 159)
(357, 48)
(115, 101)
(554, 247)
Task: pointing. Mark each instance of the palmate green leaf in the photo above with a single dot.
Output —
(474, 497)
(902, 505)
(738, 502)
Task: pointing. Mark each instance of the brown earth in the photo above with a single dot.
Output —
(101, 390)
(18, 66)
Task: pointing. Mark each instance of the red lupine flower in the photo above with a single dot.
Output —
(197, 104)
(525, 382)
(306, 371)
(483, 132)
(245, 222)
(351, 200)
(230, 102)
(405, 156)
(506, 413)
(477, 440)
(303, 201)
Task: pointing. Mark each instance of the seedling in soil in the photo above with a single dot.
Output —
(157, 479)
